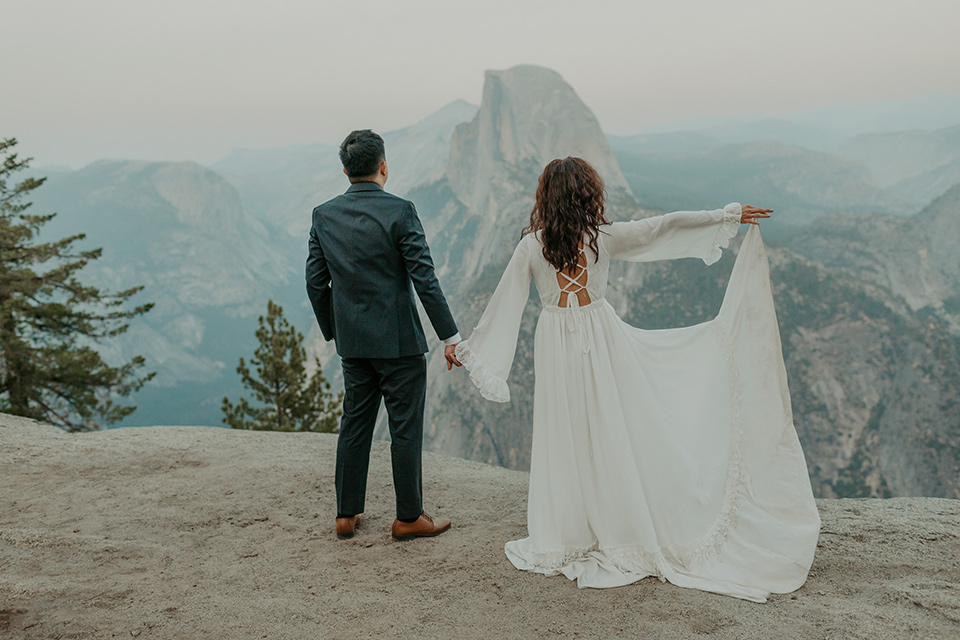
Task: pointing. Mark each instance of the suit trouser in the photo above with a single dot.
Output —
(402, 384)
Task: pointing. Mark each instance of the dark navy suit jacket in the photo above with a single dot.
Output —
(367, 248)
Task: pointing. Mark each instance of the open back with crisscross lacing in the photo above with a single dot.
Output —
(576, 282)
(586, 281)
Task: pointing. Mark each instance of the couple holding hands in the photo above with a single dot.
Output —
(668, 453)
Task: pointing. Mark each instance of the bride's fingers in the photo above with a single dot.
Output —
(750, 214)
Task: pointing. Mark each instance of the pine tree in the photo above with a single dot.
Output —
(49, 320)
(293, 402)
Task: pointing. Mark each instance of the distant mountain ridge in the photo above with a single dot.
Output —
(802, 184)
(867, 300)
(916, 259)
(870, 427)
(894, 157)
(898, 174)
(824, 128)
(180, 230)
(918, 165)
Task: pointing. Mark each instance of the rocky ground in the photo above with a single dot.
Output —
(186, 532)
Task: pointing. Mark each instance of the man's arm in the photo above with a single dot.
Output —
(416, 255)
(318, 287)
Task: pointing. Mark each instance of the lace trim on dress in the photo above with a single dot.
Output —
(727, 229)
(491, 387)
(632, 558)
(708, 545)
(556, 560)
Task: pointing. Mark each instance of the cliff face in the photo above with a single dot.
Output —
(418, 153)
(179, 230)
(875, 386)
(916, 259)
(872, 381)
(885, 390)
(474, 215)
(528, 117)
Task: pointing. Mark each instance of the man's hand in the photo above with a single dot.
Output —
(449, 352)
(751, 214)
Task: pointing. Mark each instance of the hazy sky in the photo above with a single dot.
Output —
(176, 79)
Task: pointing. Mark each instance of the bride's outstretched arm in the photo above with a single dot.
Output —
(488, 352)
(682, 234)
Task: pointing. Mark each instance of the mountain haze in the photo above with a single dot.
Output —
(210, 251)
(916, 259)
(857, 411)
(803, 184)
(528, 117)
(918, 165)
(825, 128)
(517, 127)
(867, 293)
(891, 158)
(180, 230)
(283, 186)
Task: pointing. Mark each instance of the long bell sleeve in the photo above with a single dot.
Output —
(488, 353)
(682, 234)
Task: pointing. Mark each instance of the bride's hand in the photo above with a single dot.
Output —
(750, 214)
(450, 353)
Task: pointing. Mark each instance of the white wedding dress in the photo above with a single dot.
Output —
(668, 453)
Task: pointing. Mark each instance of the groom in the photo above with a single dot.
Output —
(366, 248)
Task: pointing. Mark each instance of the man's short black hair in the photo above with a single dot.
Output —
(361, 153)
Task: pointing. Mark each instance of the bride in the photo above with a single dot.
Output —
(668, 453)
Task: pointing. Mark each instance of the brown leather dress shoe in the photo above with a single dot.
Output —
(424, 527)
(347, 526)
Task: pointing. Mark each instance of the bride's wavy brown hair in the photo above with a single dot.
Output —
(569, 205)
